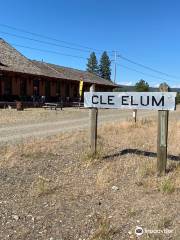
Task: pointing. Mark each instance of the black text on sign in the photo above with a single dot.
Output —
(131, 100)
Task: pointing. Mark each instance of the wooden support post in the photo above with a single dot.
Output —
(135, 115)
(79, 101)
(162, 136)
(93, 112)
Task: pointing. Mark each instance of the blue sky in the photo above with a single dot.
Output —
(146, 32)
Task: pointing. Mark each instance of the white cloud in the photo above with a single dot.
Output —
(172, 86)
(176, 86)
(127, 83)
(156, 85)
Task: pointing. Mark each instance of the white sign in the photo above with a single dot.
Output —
(131, 100)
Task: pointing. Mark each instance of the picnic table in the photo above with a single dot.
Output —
(52, 106)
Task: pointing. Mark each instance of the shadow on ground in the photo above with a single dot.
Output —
(141, 153)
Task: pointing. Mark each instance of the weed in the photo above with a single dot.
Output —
(42, 186)
(104, 230)
(132, 212)
(164, 222)
(167, 186)
(173, 166)
(147, 169)
(89, 158)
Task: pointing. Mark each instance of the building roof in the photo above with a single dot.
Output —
(67, 73)
(13, 61)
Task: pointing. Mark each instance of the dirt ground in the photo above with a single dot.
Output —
(53, 189)
(12, 117)
(16, 126)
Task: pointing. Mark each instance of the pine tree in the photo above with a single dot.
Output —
(105, 66)
(92, 65)
(178, 98)
(142, 86)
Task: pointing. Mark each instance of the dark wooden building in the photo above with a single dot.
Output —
(22, 78)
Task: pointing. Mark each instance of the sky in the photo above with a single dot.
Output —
(145, 32)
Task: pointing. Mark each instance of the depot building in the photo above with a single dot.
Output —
(22, 78)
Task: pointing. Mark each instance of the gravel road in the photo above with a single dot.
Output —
(13, 133)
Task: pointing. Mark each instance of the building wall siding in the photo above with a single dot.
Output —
(42, 88)
(62, 90)
(67, 88)
(15, 85)
(53, 88)
(30, 87)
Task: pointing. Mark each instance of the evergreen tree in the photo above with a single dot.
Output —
(92, 65)
(142, 86)
(105, 66)
(178, 98)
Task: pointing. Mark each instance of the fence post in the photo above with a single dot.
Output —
(162, 136)
(93, 113)
(135, 115)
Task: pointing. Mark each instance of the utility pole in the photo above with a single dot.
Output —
(115, 59)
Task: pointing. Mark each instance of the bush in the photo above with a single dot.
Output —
(142, 86)
(167, 186)
(178, 98)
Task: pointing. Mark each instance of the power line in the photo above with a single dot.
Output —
(45, 42)
(81, 46)
(64, 54)
(50, 38)
(115, 59)
(48, 51)
(146, 67)
(147, 74)
(80, 57)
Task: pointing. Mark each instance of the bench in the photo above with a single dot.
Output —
(52, 106)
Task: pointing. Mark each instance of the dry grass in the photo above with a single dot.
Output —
(34, 115)
(56, 180)
(38, 115)
(167, 186)
(104, 230)
(42, 186)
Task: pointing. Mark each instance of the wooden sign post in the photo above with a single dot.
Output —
(162, 101)
(93, 112)
(162, 136)
(135, 115)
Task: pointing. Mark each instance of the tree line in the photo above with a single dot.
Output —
(103, 68)
(143, 86)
